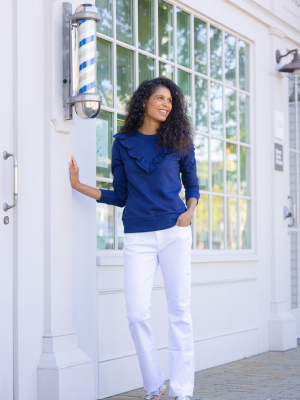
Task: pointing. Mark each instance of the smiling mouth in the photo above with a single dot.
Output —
(165, 112)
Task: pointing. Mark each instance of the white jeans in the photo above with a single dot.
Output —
(171, 249)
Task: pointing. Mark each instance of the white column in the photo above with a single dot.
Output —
(282, 325)
(65, 372)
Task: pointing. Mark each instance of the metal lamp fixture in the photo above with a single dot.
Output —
(293, 68)
(79, 61)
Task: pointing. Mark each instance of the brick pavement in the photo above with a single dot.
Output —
(271, 375)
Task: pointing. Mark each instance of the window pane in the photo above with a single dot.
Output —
(120, 228)
(201, 155)
(120, 121)
(201, 106)
(105, 222)
(125, 76)
(245, 171)
(105, 25)
(183, 38)
(146, 68)
(215, 53)
(202, 223)
(200, 47)
(230, 57)
(232, 234)
(105, 71)
(231, 168)
(104, 129)
(243, 65)
(292, 113)
(217, 165)
(166, 70)
(125, 25)
(165, 30)
(244, 118)
(184, 82)
(216, 107)
(217, 216)
(245, 230)
(293, 179)
(294, 269)
(146, 25)
(230, 109)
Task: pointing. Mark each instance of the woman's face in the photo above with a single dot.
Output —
(159, 105)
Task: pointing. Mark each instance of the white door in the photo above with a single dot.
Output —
(294, 228)
(6, 196)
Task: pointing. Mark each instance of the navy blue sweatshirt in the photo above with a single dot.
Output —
(146, 180)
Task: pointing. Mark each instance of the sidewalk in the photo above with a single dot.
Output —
(270, 375)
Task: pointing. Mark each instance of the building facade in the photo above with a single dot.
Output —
(64, 332)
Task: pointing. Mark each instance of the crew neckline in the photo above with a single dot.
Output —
(143, 135)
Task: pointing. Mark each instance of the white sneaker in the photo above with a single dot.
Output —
(159, 392)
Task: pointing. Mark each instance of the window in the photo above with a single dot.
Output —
(142, 39)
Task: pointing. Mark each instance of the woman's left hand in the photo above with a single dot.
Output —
(184, 219)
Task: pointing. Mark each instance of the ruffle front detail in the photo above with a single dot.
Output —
(126, 142)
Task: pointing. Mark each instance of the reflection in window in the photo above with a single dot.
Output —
(230, 58)
(165, 30)
(125, 76)
(201, 100)
(232, 224)
(105, 71)
(200, 47)
(125, 25)
(183, 38)
(231, 168)
(103, 144)
(216, 100)
(244, 171)
(105, 25)
(243, 65)
(202, 223)
(244, 118)
(230, 111)
(215, 53)
(184, 82)
(217, 215)
(105, 222)
(146, 68)
(146, 25)
(217, 165)
(245, 232)
(201, 156)
(166, 70)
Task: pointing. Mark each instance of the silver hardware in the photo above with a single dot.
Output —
(6, 220)
(5, 156)
(290, 214)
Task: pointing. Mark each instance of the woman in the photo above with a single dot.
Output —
(153, 147)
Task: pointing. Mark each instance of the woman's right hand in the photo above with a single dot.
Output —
(74, 172)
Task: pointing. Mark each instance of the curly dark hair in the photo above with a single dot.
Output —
(176, 131)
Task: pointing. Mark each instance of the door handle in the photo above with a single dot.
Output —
(293, 213)
(5, 156)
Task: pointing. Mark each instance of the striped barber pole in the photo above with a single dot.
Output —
(87, 56)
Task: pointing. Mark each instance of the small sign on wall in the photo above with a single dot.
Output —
(278, 157)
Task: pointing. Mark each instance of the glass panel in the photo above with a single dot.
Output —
(105, 25)
(217, 216)
(125, 76)
(216, 106)
(298, 107)
(244, 118)
(104, 131)
(245, 228)
(105, 71)
(105, 222)
(230, 59)
(201, 155)
(201, 106)
(244, 171)
(293, 179)
(120, 228)
(183, 38)
(215, 53)
(120, 121)
(166, 70)
(165, 30)
(292, 113)
(231, 168)
(202, 223)
(184, 82)
(146, 25)
(230, 110)
(294, 270)
(200, 46)
(243, 65)
(125, 25)
(232, 232)
(217, 165)
(146, 68)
